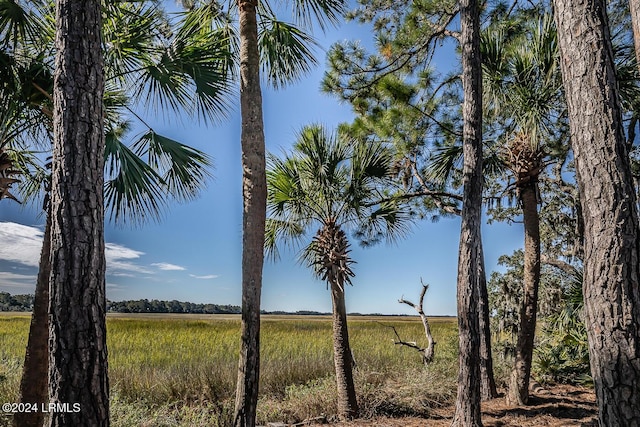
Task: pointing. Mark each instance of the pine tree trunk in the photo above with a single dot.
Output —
(77, 322)
(254, 191)
(468, 401)
(634, 9)
(35, 373)
(347, 403)
(611, 236)
(518, 393)
(488, 388)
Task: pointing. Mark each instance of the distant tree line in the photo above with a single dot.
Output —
(157, 306)
(10, 302)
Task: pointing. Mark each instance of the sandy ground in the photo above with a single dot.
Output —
(559, 406)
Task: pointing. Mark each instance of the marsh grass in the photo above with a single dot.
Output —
(181, 370)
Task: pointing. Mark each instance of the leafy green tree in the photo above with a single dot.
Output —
(281, 50)
(506, 294)
(563, 353)
(335, 184)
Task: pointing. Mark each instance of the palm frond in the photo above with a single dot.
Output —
(192, 74)
(35, 177)
(207, 19)
(184, 169)
(19, 21)
(322, 12)
(444, 161)
(389, 221)
(284, 51)
(25, 95)
(337, 183)
(133, 189)
(130, 33)
(281, 231)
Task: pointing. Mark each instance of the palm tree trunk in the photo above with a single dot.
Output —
(488, 388)
(519, 383)
(254, 192)
(611, 232)
(468, 401)
(347, 403)
(77, 321)
(35, 381)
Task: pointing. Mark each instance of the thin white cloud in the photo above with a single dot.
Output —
(112, 287)
(118, 259)
(20, 243)
(114, 251)
(208, 276)
(165, 266)
(24, 282)
(121, 274)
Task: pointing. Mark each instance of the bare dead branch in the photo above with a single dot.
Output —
(429, 350)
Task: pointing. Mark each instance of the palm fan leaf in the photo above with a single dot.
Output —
(133, 189)
(184, 169)
(323, 12)
(337, 183)
(284, 50)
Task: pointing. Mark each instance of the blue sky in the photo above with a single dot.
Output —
(194, 253)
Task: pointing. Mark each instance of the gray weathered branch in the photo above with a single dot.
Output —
(427, 352)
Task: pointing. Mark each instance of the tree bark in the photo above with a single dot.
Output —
(254, 190)
(342, 359)
(518, 393)
(611, 284)
(35, 380)
(634, 9)
(468, 401)
(77, 321)
(488, 389)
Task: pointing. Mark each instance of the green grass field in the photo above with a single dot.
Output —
(179, 370)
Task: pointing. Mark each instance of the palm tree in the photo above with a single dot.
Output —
(522, 89)
(138, 191)
(281, 50)
(20, 123)
(332, 183)
(178, 70)
(254, 190)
